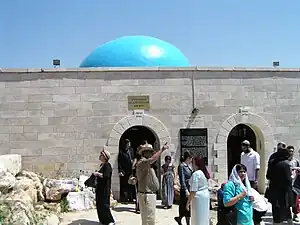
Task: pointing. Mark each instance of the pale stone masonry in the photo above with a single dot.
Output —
(59, 119)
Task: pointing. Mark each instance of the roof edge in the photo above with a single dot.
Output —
(153, 69)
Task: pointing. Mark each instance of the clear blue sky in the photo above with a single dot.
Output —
(209, 33)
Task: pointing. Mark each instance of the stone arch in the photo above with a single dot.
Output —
(154, 124)
(265, 140)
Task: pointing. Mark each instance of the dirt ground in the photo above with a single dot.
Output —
(123, 214)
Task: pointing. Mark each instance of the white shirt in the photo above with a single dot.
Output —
(252, 161)
(260, 203)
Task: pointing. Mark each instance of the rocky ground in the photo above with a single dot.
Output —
(123, 214)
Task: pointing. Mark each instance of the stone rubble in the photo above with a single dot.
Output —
(30, 199)
(12, 163)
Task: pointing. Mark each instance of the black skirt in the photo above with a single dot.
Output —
(182, 205)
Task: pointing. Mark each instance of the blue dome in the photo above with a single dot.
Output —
(135, 51)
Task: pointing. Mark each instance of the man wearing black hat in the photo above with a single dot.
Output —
(148, 182)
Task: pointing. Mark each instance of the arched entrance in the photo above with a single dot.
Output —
(238, 134)
(152, 123)
(137, 135)
(265, 143)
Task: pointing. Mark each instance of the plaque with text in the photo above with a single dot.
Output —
(195, 140)
(138, 102)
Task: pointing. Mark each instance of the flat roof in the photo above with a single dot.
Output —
(152, 69)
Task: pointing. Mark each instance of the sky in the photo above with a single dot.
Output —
(209, 33)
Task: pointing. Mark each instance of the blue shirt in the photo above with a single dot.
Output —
(243, 206)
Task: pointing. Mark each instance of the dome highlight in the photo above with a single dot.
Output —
(135, 51)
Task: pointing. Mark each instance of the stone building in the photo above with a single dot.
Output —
(59, 119)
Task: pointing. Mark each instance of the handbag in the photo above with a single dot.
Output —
(91, 181)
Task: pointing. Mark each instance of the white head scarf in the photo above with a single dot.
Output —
(235, 178)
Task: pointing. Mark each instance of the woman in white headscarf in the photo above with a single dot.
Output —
(237, 194)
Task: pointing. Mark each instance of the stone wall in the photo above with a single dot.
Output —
(59, 119)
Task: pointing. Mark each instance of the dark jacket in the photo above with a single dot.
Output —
(125, 159)
(104, 183)
(280, 177)
(185, 173)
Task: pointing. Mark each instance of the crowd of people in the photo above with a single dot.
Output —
(238, 199)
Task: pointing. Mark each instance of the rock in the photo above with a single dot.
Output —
(21, 208)
(19, 197)
(54, 189)
(52, 207)
(5, 212)
(37, 182)
(82, 200)
(12, 163)
(7, 181)
(39, 207)
(51, 220)
(76, 201)
(24, 183)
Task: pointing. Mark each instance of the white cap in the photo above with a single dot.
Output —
(245, 142)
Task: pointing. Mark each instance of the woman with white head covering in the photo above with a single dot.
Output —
(237, 194)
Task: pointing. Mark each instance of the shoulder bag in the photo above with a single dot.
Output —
(91, 181)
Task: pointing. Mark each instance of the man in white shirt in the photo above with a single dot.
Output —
(251, 159)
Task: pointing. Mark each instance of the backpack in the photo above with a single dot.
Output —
(225, 215)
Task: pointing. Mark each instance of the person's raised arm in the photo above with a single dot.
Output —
(155, 157)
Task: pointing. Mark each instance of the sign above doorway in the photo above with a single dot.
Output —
(195, 140)
(139, 102)
(139, 113)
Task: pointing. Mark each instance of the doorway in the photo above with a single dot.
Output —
(136, 135)
(238, 134)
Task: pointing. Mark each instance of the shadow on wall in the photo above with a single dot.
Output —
(84, 222)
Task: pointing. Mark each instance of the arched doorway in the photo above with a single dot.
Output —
(238, 134)
(137, 135)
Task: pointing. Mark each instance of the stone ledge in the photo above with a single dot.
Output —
(154, 69)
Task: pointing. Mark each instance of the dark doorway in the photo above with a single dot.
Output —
(238, 134)
(136, 135)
